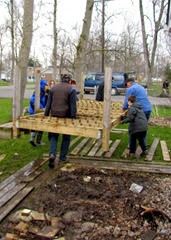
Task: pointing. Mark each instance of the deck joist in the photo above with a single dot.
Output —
(89, 121)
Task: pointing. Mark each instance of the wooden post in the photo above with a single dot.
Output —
(16, 101)
(106, 110)
(82, 86)
(37, 91)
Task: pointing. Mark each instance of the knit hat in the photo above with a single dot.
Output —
(130, 80)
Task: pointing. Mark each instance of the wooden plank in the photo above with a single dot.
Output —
(152, 150)
(165, 152)
(2, 157)
(113, 148)
(125, 166)
(10, 194)
(95, 148)
(6, 209)
(24, 172)
(126, 152)
(37, 125)
(74, 141)
(79, 146)
(120, 131)
(100, 152)
(106, 109)
(138, 151)
(88, 147)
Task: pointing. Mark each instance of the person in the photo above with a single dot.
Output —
(61, 103)
(166, 88)
(141, 96)
(100, 92)
(50, 86)
(36, 136)
(137, 125)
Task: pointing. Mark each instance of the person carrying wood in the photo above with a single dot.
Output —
(137, 126)
(62, 104)
(36, 136)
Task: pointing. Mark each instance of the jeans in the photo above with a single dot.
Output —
(53, 137)
(133, 138)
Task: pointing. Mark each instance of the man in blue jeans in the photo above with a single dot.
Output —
(140, 94)
(61, 103)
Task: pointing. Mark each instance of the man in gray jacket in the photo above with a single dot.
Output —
(137, 125)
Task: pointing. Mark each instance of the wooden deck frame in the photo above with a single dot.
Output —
(94, 119)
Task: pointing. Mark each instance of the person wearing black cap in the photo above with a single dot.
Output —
(61, 103)
(141, 96)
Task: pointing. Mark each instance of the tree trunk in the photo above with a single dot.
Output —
(55, 41)
(12, 41)
(145, 47)
(149, 62)
(82, 45)
(25, 48)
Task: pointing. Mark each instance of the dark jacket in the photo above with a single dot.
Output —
(62, 101)
(136, 119)
(100, 92)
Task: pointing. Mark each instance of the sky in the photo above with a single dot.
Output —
(71, 13)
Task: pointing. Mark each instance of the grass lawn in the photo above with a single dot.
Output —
(3, 83)
(156, 89)
(19, 152)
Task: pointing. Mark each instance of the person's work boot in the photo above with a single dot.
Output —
(32, 138)
(64, 161)
(52, 160)
(144, 153)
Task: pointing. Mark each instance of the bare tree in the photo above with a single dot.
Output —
(25, 47)
(2, 30)
(82, 45)
(54, 61)
(149, 58)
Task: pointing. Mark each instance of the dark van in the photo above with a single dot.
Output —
(93, 80)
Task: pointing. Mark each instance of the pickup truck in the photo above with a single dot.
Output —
(93, 80)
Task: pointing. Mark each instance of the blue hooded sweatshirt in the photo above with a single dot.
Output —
(42, 97)
(141, 97)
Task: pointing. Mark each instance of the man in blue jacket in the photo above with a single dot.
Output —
(62, 104)
(141, 97)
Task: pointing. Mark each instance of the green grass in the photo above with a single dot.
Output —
(6, 110)
(163, 133)
(19, 152)
(156, 89)
(161, 112)
(2, 83)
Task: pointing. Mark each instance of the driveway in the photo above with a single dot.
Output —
(7, 92)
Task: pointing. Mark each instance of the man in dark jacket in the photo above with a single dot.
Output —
(100, 92)
(137, 125)
(61, 103)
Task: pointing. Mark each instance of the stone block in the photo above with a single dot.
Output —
(48, 232)
(22, 227)
(26, 212)
(11, 236)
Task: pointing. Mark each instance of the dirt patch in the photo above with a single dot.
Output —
(160, 121)
(96, 204)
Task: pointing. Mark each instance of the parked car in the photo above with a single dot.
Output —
(93, 80)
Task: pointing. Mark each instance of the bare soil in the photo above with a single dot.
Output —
(160, 121)
(102, 206)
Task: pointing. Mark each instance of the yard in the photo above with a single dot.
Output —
(89, 203)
